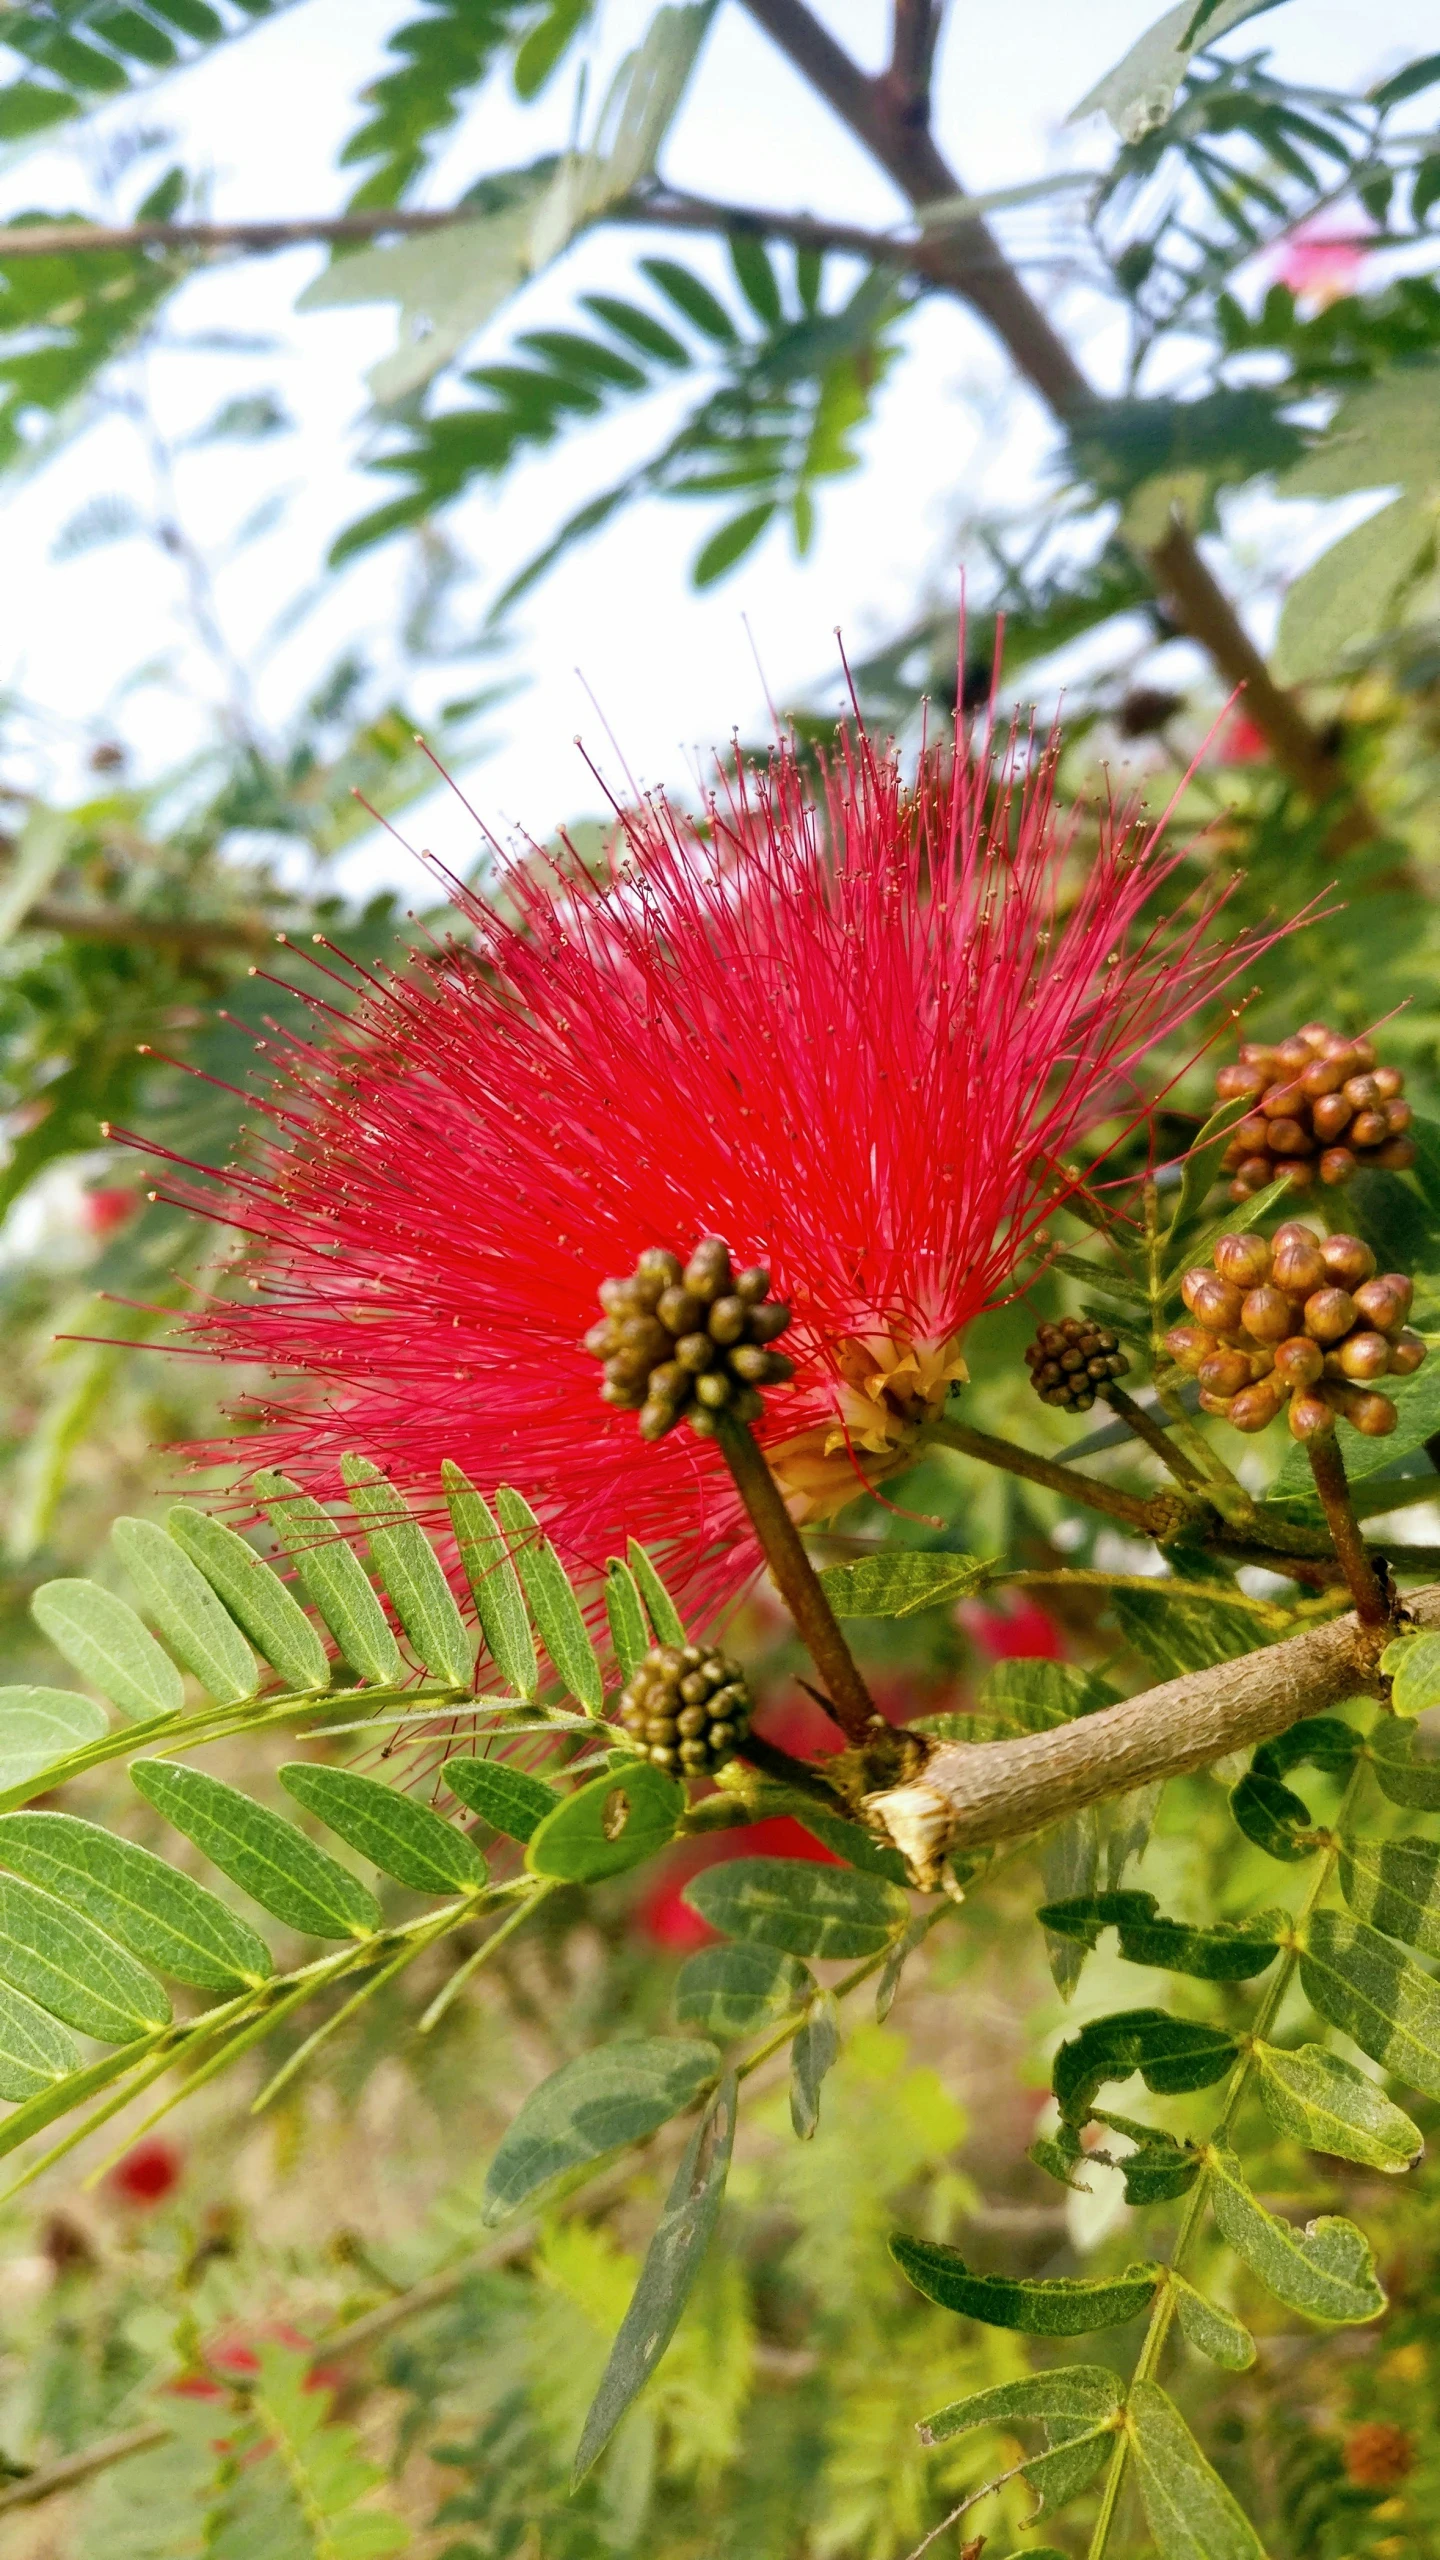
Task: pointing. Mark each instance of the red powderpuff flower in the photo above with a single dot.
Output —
(851, 1030)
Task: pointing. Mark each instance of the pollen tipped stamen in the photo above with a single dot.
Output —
(687, 1707)
(689, 1340)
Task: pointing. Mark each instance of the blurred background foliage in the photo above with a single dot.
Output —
(1264, 251)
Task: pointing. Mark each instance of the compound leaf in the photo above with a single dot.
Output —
(553, 1605)
(189, 1616)
(147, 1905)
(613, 1824)
(1077, 2406)
(1327, 2270)
(494, 1582)
(1226, 1951)
(61, 1961)
(510, 1800)
(333, 1579)
(736, 1990)
(404, 1839)
(1326, 2103)
(255, 1596)
(412, 1574)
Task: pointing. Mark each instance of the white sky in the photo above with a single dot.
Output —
(671, 671)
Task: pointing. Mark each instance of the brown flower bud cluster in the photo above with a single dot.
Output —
(687, 1707)
(1320, 1108)
(1299, 1319)
(1071, 1363)
(689, 1339)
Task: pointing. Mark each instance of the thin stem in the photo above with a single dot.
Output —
(1180, 1466)
(482, 1955)
(798, 1583)
(1328, 1468)
(798, 1775)
(1275, 1613)
(1150, 1517)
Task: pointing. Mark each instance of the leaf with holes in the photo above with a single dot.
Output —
(39, 1727)
(1327, 2270)
(902, 1584)
(1078, 2406)
(333, 1579)
(814, 2051)
(147, 1905)
(1209, 2330)
(672, 2263)
(254, 1595)
(102, 1637)
(272, 1861)
(1323, 2101)
(599, 2102)
(614, 1823)
(1226, 1951)
(553, 1605)
(1041, 2307)
(1365, 1986)
(187, 1612)
(412, 1574)
(626, 1613)
(1172, 2056)
(806, 1910)
(737, 1990)
(403, 1839)
(510, 1800)
(1395, 1885)
(1274, 1818)
(61, 1961)
(1187, 2506)
(1158, 2169)
(494, 1582)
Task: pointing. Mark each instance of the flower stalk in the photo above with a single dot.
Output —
(799, 1584)
(1327, 1465)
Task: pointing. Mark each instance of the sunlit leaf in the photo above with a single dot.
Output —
(273, 1862)
(104, 1639)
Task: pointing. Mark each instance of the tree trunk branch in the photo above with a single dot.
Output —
(971, 1793)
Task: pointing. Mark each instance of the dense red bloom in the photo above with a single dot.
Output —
(852, 1031)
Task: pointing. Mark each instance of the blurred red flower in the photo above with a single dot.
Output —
(148, 2174)
(1319, 266)
(1241, 741)
(104, 1211)
(1020, 1633)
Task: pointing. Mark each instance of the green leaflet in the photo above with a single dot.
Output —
(902, 1949)
(1329, 2105)
(1175, 1633)
(672, 2263)
(272, 1861)
(859, 1848)
(1187, 2506)
(62, 1962)
(333, 1579)
(1101, 1275)
(737, 1990)
(1274, 1817)
(1158, 2169)
(404, 1839)
(35, 2053)
(553, 1604)
(254, 1595)
(1363, 1984)
(1413, 1663)
(1049, 2307)
(1076, 2404)
(597, 2103)
(814, 2051)
(1172, 2055)
(1407, 1769)
(666, 1622)
(38, 1726)
(187, 1612)
(1209, 2330)
(806, 1910)
(509, 1799)
(162, 1915)
(1321, 1742)
(1227, 1951)
(1327, 2270)
(626, 1614)
(902, 1584)
(101, 1635)
(412, 1574)
(1395, 1884)
(494, 1582)
(613, 1824)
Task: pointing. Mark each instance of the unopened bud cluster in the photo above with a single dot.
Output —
(1072, 1362)
(689, 1339)
(1320, 1108)
(1299, 1319)
(686, 1707)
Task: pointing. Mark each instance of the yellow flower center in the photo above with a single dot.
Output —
(890, 1390)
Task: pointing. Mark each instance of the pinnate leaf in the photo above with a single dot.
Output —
(1364, 1985)
(672, 2263)
(1172, 2055)
(1327, 2270)
(1395, 1885)
(1319, 2099)
(272, 1861)
(333, 1579)
(510, 1800)
(404, 1839)
(254, 1595)
(1157, 2170)
(604, 1829)
(494, 1582)
(736, 1990)
(1226, 1951)
(39, 1726)
(185, 1609)
(553, 1605)
(412, 1574)
(597, 2103)
(162, 1915)
(1187, 2506)
(805, 1910)
(901, 1584)
(1209, 2330)
(61, 1961)
(102, 1637)
(1042, 2307)
(1175, 1633)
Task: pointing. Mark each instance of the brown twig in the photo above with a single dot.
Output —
(798, 1583)
(74, 2469)
(1147, 1429)
(1152, 1516)
(1328, 1468)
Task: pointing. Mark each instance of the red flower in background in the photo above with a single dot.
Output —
(669, 1922)
(1241, 741)
(1318, 266)
(1020, 1633)
(853, 1032)
(148, 2174)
